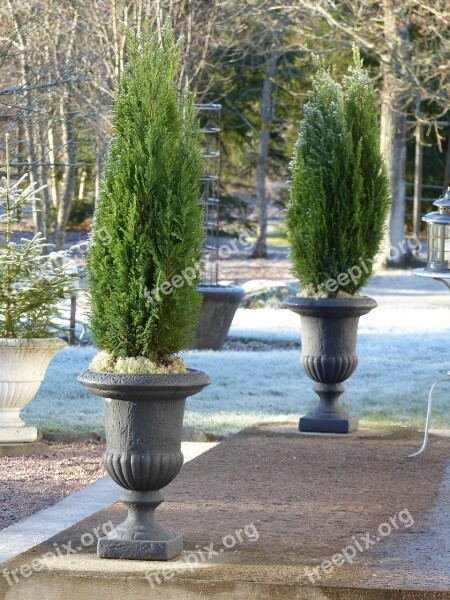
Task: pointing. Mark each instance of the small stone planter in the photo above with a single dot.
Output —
(329, 332)
(143, 423)
(23, 363)
(220, 303)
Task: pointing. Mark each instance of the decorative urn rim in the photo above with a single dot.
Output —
(118, 384)
(354, 306)
(222, 293)
(38, 343)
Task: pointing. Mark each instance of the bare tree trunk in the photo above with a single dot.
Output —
(447, 165)
(62, 216)
(81, 185)
(53, 184)
(102, 150)
(418, 174)
(43, 181)
(68, 113)
(51, 56)
(34, 175)
(267, 114)
(393, 127)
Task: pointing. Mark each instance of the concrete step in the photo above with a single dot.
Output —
(273, 514)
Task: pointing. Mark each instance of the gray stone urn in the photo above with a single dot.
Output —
(219, 306)
(329, 331)
(143, 424)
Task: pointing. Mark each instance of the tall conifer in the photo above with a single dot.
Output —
(148, 224)
(339, 195)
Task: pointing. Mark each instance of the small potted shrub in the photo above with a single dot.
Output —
(32, 283)
(146, 243)
(339, 201)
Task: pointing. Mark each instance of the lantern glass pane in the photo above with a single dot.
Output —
(438, 246)
(447, 247)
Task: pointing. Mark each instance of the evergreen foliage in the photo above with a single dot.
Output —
(148, 223)
(32, 280)
(339, 197)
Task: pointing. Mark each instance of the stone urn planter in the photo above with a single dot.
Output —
(23, 363)
(329, 331)
(143, 423)
(219, 306)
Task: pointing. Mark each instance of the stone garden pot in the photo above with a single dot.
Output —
(143, 423)
(219, 306)
(23, 363)
(329, 331)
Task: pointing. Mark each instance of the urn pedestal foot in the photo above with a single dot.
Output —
(140, 536)
(328, 416)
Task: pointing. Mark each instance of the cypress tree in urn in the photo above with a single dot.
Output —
(143, 270)
(339, 202)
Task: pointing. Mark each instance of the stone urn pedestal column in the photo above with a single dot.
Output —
(143, 423)
(329, 332)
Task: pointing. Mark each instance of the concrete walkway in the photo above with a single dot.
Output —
(268, 514)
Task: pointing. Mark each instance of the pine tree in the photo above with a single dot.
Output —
(33, 280)
(339, 195)
(148, 225)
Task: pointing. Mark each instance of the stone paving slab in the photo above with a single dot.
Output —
(270, 514)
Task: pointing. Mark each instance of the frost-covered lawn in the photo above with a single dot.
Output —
(403, 346)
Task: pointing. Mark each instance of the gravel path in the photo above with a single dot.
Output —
(30, 483)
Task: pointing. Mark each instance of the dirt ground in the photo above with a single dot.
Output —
(240, 268)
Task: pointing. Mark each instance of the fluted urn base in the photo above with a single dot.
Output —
(143, 424)
(329, 333)
(140, 536)
(329, 416)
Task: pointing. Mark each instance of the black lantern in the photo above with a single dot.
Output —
(439, 236)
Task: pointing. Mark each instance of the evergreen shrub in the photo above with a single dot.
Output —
(339, 194)
(33, 278)
(148, 224)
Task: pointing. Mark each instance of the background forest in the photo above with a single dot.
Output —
(61, 60)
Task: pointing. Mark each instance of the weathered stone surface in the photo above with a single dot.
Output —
(140, 550)
(23, 363)
(219, 306)
(329, 331)
(143, 424)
